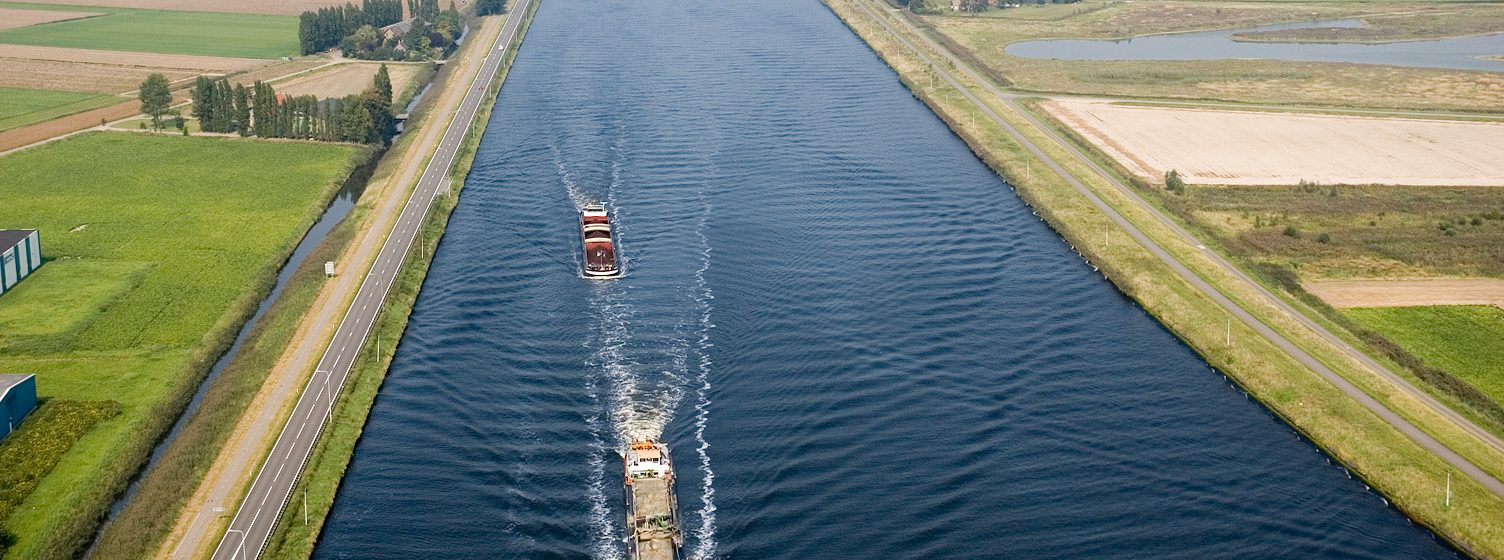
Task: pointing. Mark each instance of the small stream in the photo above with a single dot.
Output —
(1461, 53)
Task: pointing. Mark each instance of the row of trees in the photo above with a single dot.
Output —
(221, 108)
(324, 28)
(365, 118)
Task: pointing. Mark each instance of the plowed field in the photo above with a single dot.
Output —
(1255, 148)
(1410, 293)
(11, 18)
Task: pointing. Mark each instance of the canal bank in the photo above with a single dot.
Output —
(993, 400)
(301, 523)
(1416, 480)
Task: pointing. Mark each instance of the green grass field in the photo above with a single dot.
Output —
(1465, 340)
(158, 247)
(21, 106)
(162, 31)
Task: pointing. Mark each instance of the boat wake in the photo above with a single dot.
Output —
(647, 354)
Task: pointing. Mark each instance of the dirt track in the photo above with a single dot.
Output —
(1412, 292)
(1260, 148)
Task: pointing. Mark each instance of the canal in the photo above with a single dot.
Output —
(857, 342)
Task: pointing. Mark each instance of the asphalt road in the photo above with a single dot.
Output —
(249, 531)
(1384, 412)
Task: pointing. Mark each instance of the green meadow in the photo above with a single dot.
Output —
(1465, 340)
(156, 249)
(22, 106)
(162, 31)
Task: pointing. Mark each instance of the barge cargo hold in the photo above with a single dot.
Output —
(600, 247)
(652, 509)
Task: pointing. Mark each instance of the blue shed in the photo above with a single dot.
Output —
(18, 395)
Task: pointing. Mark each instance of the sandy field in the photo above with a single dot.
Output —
(12, 18)
(1407, 293)
(270, 7)
(1252, 148)
(346, 79)
(103, 71)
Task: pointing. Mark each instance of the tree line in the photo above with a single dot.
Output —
(490, 7)
(364, 118)
(323, 29)
(357, 31)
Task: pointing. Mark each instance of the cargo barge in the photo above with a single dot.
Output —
(600, 246)
(652, 509)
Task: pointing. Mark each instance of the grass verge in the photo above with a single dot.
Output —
(1410, 476)
(299, 526)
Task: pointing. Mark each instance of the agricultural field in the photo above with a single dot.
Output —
(982, 39)
(347, 79)
(267, 7)
(20, 107)
(1464, 340)
(1411, 292)
(1217, 147)
(111, 72)
(155, 252)
(162, 31)
(11, 18)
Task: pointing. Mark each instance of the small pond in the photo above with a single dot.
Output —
(1464, 53)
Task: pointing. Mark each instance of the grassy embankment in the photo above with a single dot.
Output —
(294, 539)
(1285, 235)
(156, 255)
(982, 39)
(138, 530)
(161, 31)
(1413, 477)
(21, 106)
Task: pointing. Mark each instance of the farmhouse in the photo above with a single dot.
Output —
(20, 253)
(397, 29)
(18, 395)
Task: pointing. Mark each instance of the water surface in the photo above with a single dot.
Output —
(1462, 53)
(855, 339)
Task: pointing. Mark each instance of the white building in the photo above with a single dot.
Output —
(20, 253)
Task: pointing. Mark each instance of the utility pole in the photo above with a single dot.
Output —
(305, 506)
(1229, 332)
(1449, 489)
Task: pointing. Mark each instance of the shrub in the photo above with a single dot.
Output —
(1324, 238)
(39, 443)
(1290, 231)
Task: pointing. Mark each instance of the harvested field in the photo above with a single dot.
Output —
(267, 7)
(103, 71)
(1409, 293)
(346, 79)
(216, 64)
(11, 18)
(1252, 148)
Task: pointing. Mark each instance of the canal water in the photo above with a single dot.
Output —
(1460, 53)
(854, 338)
